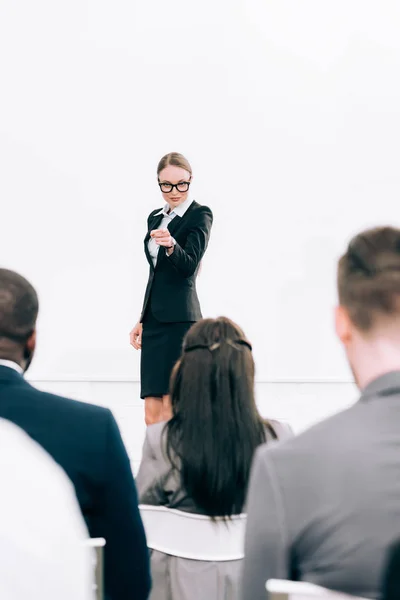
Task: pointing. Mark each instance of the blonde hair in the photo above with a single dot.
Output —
(175, 159)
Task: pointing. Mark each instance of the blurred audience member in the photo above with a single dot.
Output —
(325, 506)
(84, 439)
(200, 460)
(42, 531)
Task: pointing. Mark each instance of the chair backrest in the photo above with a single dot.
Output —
(279, 589)
(98, 544)
(192, 536)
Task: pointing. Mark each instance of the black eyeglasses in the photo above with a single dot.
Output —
(182, 186)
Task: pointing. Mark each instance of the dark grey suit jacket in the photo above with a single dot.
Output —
(324, 507)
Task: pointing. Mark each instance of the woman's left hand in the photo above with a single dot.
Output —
(162, 237)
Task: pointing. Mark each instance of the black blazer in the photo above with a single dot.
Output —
(85, 440)
(171, 287)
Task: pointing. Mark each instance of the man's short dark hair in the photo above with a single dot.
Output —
(369, 277)
(19, 306)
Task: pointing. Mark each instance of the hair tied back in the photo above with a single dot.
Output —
(239, 342)
(215, 345)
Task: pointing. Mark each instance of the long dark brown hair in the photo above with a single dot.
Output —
(216, 426)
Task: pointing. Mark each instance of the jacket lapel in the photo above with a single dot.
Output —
(178, 221)
(172, 227)
(174, 224)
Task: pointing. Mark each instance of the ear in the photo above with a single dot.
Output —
(31, 341)
(343, 325)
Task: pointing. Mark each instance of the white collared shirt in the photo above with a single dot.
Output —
(11, 365)
(166, 220)
(42, 534)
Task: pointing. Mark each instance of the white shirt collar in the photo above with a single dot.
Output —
(11, 365)
(178, 210)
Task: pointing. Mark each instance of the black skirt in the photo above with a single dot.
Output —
(161, 348)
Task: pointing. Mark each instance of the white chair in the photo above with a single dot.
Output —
(196, 537)
(98, 544)
(279, 589)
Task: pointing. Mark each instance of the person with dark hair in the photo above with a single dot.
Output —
(82, 438)
(200, 460)
(19, 307)
(325, 506)
(176, 240)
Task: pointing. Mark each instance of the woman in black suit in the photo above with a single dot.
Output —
(175, 243)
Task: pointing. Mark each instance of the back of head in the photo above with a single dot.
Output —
(215, 427)
(369, 279)
(18, 312)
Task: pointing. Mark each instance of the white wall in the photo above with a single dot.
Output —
(300, 404)
(289, 113)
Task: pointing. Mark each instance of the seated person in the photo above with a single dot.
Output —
(82, 438)
(324, 507)
(200, 460)
(42, 531)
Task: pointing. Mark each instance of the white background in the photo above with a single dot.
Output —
(289, 114)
